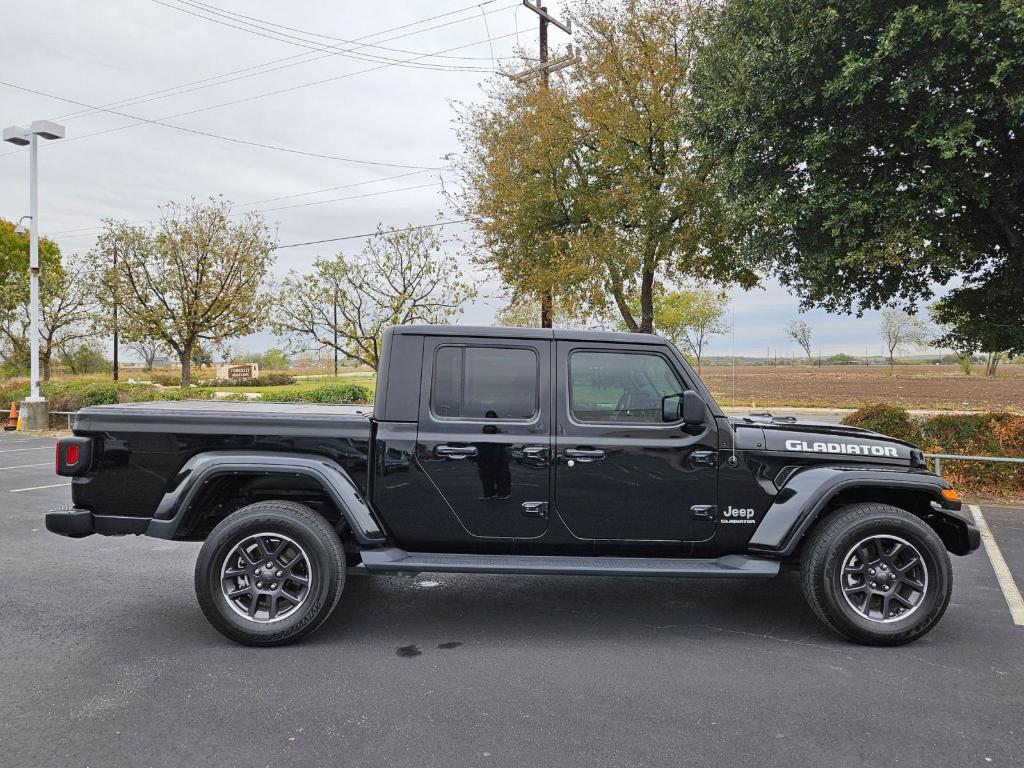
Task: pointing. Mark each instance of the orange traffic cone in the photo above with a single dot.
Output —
(12, 419)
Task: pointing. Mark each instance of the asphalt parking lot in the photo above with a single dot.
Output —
(106, 660)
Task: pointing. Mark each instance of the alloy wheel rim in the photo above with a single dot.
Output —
(266, 577)
(884, 578)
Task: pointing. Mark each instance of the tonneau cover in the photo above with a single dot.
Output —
(227, 417)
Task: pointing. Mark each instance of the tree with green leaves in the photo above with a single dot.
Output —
(872, 150)
(690, 317)
(14, 292)
(518, 172)
(591, 187)
(196, 277)
(346, 303)
(973, 326)
(67, 312)
(271, 360)
(86, 357)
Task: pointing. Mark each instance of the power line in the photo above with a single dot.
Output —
(283, 37)
(348, 197)
(96, 230)
(373, 234)
(160, 121)
(197, 132)
(208, 82)
(273, 26)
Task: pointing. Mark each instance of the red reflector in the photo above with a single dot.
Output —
(71, 455)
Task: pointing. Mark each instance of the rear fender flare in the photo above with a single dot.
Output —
(808, 492)
(202, 469)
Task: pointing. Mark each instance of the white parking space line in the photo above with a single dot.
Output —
(1014, 601)
(39, 487)
(15, 450)
(25, 466)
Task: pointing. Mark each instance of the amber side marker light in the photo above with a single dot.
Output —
(950, 494)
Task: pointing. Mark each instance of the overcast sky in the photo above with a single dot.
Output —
(397, 118)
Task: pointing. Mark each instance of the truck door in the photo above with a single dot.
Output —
(621, 471)
(484, 434)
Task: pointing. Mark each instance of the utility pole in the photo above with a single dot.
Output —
(335, 328)
(115, 311)
(544, 70)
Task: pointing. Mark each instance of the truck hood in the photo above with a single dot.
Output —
(790, 435)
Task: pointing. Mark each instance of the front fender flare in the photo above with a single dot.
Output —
(199, 471)
(807, 494)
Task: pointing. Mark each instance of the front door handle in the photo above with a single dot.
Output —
(456, 451)
(704, 458)
(583, 454)
(535, 509)
(703, 511)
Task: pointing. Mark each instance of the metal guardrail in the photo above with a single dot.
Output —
(69, 414)
(938, 458)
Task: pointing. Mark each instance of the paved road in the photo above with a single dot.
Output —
(105, 660)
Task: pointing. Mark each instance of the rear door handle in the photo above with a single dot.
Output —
(455, 451)
(583, 454)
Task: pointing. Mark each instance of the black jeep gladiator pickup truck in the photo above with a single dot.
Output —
(501, 450)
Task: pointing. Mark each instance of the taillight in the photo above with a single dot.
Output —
(74, 455)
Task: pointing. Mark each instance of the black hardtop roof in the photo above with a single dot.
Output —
(500, 332)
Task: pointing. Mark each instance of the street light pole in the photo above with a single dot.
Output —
(33, 262)
(29, 137)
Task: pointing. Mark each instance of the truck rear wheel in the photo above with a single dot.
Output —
(876, 574)
(270, 573)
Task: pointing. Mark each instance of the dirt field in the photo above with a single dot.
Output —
(851, 386)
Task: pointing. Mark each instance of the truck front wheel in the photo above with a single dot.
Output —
(270, 573)
(876, 574)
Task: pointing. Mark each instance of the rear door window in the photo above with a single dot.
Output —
(476, 382)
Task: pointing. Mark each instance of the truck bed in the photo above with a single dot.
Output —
(143, 446)
(228, 417)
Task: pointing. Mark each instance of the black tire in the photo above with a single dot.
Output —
(841, 551)
(292, 609)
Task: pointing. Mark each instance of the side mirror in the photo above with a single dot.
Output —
(693, 408)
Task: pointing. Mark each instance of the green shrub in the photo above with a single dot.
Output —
(265, 380)
(887, 420)
(346, 392)
(71, 396)
(13, 393)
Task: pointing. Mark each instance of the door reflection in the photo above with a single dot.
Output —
(492, 463)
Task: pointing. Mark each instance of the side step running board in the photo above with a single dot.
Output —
(730, 566)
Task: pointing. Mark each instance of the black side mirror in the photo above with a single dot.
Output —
(693, 408)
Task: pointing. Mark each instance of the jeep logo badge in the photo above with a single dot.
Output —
(733, 514)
